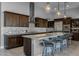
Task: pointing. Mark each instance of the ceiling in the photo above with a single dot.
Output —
(54, 5)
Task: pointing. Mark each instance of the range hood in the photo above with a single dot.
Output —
(31, 18)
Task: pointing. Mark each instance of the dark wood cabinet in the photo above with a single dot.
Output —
(75, 36)
(45, 23)
(15, 20)
(40, 22)
(19, 41)
(11, 19)
(51, 24)
(12, 41)
(27, 46)
(67, 21)
(75, 29)
(24, 21)
(75, 23)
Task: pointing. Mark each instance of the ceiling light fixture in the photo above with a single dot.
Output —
(48, 6)
(58, 11)
(65, 9)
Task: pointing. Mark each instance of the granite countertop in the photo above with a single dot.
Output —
(27, 33)
(31, 33)
(41, 36)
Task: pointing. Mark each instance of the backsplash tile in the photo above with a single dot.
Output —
(15, 30)
(20, 30)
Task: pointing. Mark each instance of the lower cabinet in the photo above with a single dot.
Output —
(19, 41)
(76, 36)
(12, 41)
(27, 46)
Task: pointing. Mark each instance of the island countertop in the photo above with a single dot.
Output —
(43, 35)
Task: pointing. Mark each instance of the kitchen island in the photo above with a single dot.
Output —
(32, 45)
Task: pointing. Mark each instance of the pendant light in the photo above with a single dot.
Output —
(58, 11)
(65, 10)
(66, 5)
(47, 6)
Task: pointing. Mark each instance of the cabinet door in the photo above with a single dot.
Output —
(45, 23)
(11, 42)
(24, 21)
(51, 24)
(27, 46)
(58, 26)
(11, 20)
(15, 20)
(19, 41)
(76, 36)
(39, 22)
(66, 21)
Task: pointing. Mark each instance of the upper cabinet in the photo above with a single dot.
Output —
(67, 21)
(11, 19)
(24, 21)
(15, 20)
(40, 22)
(75, 23)
(50, 24)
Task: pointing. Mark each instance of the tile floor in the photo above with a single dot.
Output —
(73, 50)
(12, 52)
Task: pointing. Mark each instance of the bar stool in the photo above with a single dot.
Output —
(52, 39)
(70, 40)
(63, 41)
(48, 49)
(57, 44)
(69, 37)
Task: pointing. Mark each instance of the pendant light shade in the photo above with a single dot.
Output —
(58, 13)
(47, 6)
